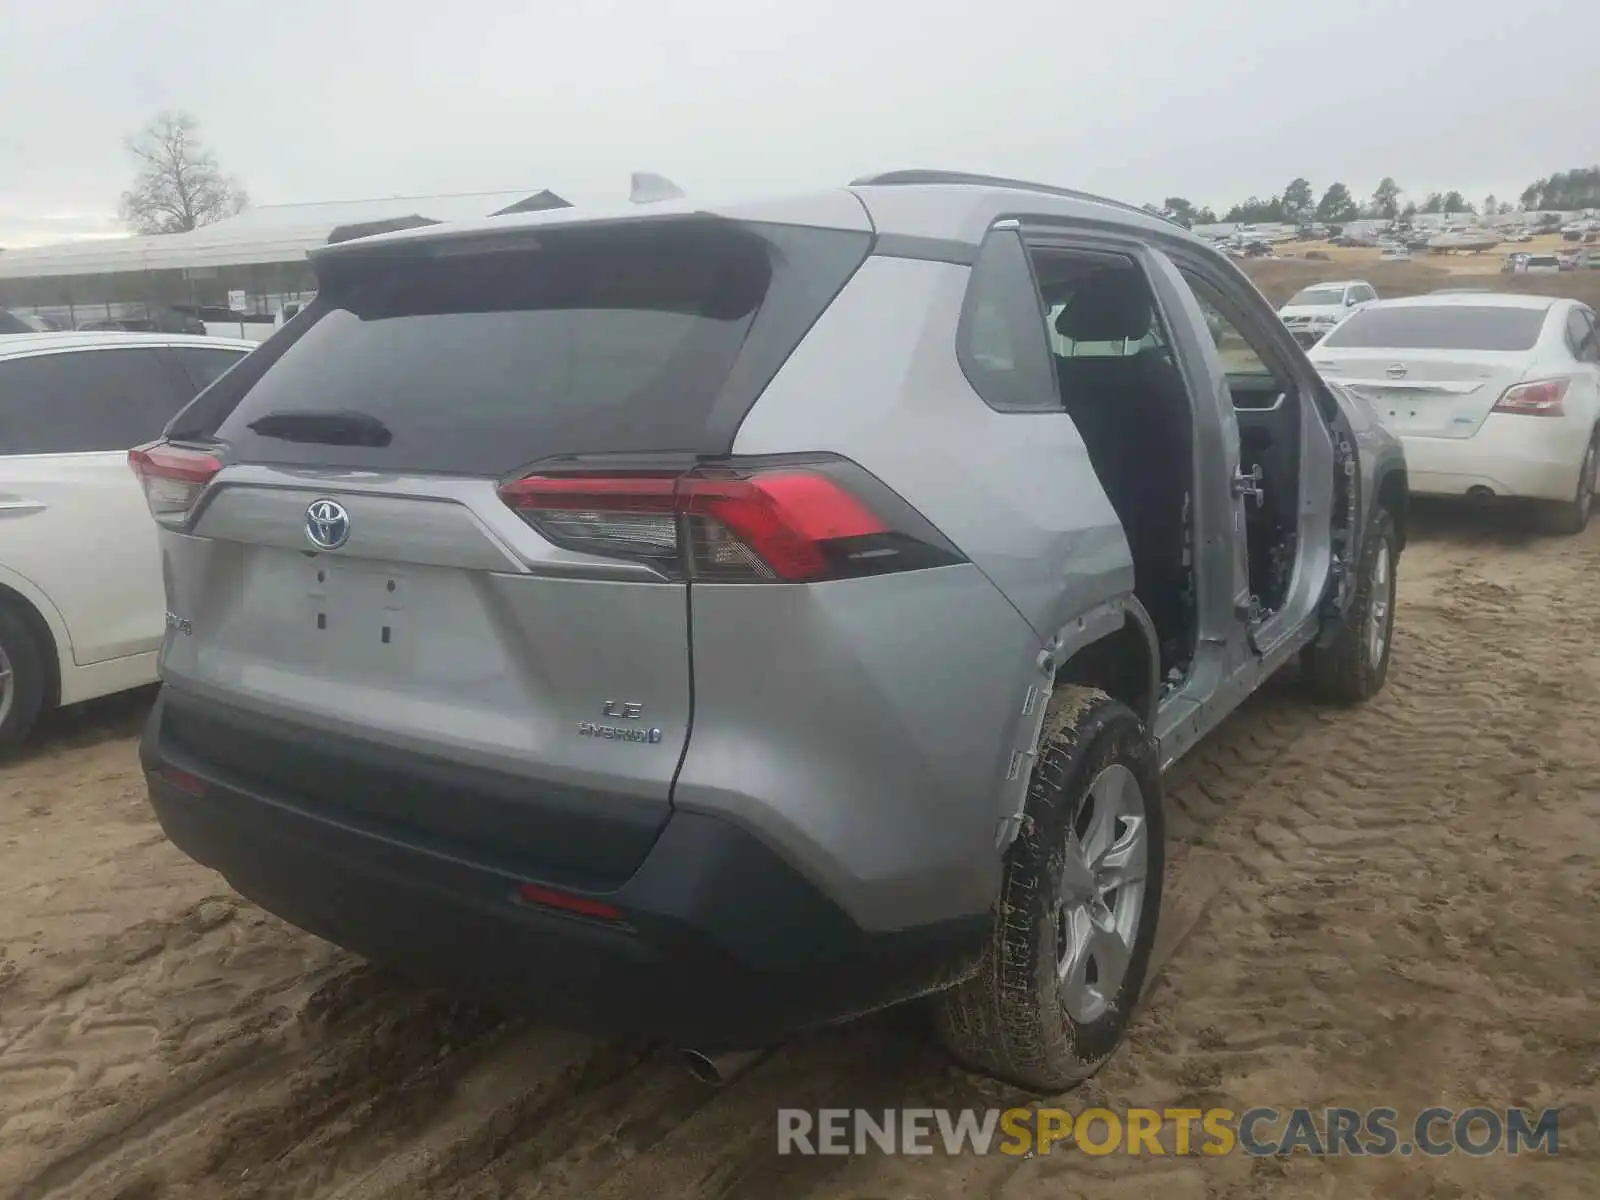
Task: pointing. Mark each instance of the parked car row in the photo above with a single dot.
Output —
(196, 319)
(1550, 264)
(160, 320)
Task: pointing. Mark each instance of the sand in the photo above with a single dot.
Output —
(1394, 905)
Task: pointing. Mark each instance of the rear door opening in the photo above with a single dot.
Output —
(365, 568)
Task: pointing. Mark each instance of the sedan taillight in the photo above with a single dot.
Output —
(1540, 398)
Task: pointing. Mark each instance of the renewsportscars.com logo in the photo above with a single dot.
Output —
(1259, 1132)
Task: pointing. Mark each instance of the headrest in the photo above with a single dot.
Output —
(1111, 305)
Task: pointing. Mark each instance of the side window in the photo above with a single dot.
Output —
(91, 400)
(1593, 344)
(203, 366)
(1238, 356)
(1581, 336)
(1001, 342)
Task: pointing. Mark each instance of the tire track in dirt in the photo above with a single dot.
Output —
(1420, 859)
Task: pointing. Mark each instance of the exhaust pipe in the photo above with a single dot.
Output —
(719, 1069)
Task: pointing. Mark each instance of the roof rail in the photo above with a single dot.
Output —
(891, 178)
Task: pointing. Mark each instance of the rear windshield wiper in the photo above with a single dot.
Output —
(323, 428)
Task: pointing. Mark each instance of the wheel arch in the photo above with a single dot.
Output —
(1123, 662)
(39, 626)
(1394, 494)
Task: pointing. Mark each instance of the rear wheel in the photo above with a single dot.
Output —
(1078, 905)
(21, 678)
(1355, 666)
(1572, 516)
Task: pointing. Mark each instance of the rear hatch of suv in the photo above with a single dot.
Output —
(421, 549)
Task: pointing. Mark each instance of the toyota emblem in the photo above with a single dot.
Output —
(327, 524)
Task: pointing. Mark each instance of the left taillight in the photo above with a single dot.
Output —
(173, 478)
(780, 524)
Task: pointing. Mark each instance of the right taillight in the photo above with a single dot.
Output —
(173, 478)
(1539, 398)
(788, 524)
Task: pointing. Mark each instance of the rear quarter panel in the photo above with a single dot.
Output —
(871, 729)
(878, 381)
(863, 729)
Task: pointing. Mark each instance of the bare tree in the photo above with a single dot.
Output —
(179, 186)
(1386, 200)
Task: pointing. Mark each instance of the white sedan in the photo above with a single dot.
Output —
(82, 610)
(1494, 395)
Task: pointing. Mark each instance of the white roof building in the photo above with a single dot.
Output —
(271, 233)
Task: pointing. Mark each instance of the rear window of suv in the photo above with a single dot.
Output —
(653, 337)
(1440, 327)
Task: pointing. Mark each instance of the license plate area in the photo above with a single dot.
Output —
(355, 611)
(1412, 410)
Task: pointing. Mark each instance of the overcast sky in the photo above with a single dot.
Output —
(1139, 99)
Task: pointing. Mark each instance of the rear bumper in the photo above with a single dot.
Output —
(722, 946)
(1533, 458)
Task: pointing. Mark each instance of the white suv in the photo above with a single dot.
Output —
(81, 606)
(1315, 310)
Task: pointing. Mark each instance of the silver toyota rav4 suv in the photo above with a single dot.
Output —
(705, 624)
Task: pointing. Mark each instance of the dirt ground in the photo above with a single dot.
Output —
(1395, 905)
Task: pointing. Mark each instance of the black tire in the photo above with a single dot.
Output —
(1011, 1020)
(1571, 517)
(22, 690)
(1348, 671)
